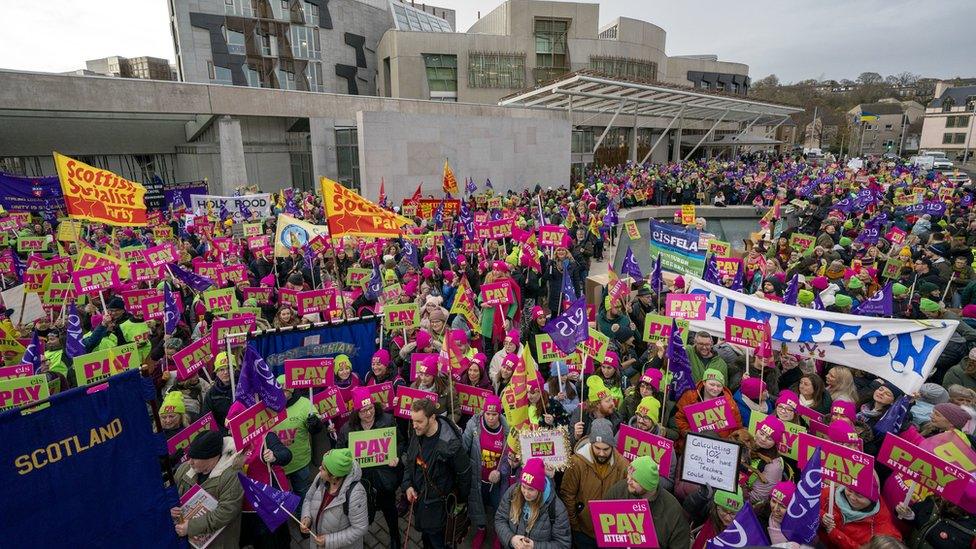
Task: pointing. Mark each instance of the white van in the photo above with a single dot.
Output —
(924, 162)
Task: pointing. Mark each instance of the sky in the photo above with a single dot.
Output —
(822, 39)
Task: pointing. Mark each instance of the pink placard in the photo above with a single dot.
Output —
(623, 523)
(840, 464)
(633, 443)
(330, 404)
(191, 358)
(154, 306)
(287, 296)
(303, 373)
(253, 423)
(496, 293)
(262, 295)
(159, 255)
(551, 235)
(94, 280)
(896, 235)
(747, 333)
(808, 413)
(405, 397)
(316, 301)
(133, 299)
(687, 306)
(818, 429)
(18, 370)
(711, 415)
(186, 436)
(144, 272)
(232, 273)
(416, 358)
(208, 269)
(221, 327)
(382, 394)
(471, 399)
(925, 468)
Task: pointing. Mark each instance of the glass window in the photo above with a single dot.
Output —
(253, 76)
(311, 14)
(621, 67)
(235, 42)
(313, 73)
(496, 70)
(960, 139)
(947, 104)
(551, 48)
(286, 79)
(347, 157)
(950, 122)
(441, 73)
(223, 75)
(947, 139)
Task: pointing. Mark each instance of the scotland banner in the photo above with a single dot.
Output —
(355, 339)
(678, 247)
(901, 351)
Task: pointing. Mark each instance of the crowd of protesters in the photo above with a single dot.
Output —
(451, 466)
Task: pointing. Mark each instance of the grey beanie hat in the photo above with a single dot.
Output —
(601, 430)
(933, 393)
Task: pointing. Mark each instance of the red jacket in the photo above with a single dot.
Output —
(691, 397)
(853, 535)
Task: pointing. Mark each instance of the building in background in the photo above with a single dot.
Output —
(949, 121)
(882, 127)
(145, 67)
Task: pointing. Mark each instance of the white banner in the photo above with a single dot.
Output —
(902, 351)
(259, 204)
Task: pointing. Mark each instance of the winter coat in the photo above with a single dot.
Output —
(383, 478)
(217, 400)
(341, 530)
(853, 535)
(546, 533)
(447, 470)
(670, 523)
(582, 483)
(224, 486)
(957, 376)
(471, 442)
(699, 364)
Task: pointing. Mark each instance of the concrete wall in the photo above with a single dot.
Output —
(409, 149)
(678, 67)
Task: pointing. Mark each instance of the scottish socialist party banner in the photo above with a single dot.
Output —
(84, 448)
(352, 214)
(258, 204)
(355, 339)
(678, 247)
(99, 195)
(901, 351)
(30, 194)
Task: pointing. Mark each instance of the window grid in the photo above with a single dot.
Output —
(496, 70)
(441, 72)
(623, 67)
(551, 49)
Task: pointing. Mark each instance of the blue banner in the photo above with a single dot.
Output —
(355, 339)
(679, 248)
(30, 194)
(178, 194)
(85, 468)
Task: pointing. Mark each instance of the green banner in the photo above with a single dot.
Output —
(374, 447)
(21, 391)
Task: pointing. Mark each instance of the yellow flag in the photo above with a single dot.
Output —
(349, 213)
(464, 304)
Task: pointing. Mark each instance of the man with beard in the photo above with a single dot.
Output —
(593, 469)
(642, 482)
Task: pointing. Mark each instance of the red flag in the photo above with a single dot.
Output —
(382, 199)
(416, 195)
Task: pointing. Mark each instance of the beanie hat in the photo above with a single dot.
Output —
(596, 389)
(437, 314)
(423, 339)
(173, 403)
(646, 472)
(480, 358)
(459, 336)
(174, 343)
(650, 407)
(933, 393)
(601, 430)
(854, 283)
(235, 408)
(841, 432)
(782, 493)
(927, 288)
(752, 387)
(653, 378)
(954, 414)
(512, 337)
(729, 501)
(361, 398)
(804, 297)
(427, 366)
(845, 241)
(788, 398)
(713, 374)
(679, 282)
(773, 427)
(843, 408)
(383, 356)
(492, 404)
(537, 312)
(510, 362)
(221, 361)
(928, 306)
(338, 461)
(819, 283)
(969, 311)
(207, 445)
(116, 303)
(898, 289)
(340, 361)
(534, 474)
(842, 300)
(611, 359)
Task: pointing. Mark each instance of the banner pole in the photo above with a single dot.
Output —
(230, 368)
(948, 285)
(101, 298)
(583, 383)
(830, 504)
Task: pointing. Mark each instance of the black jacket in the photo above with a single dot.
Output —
(383, 478)
(448, 470)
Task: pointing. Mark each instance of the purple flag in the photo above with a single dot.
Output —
(868, 236)
(657, 279)
(738, 283)
(891, 421)
(73, 344)
(488, 184)
(803, 515)
(818, 303)
(569, 291)
(711, 271)
(256, 378)
(410, 253)
(466, 220)
(744, 531)
(191, 279)
(539, 212)
(224, 213)
(880, 303)
(569, 328)
(375, 286)
(470, 187)
(439, 215)
(450, 249)
(271, 504)
(877, 221)
(170, 313)
(245, 211)
(32, 355)
(630, 266)
(792, 290)
(678, 364)
(19, 267)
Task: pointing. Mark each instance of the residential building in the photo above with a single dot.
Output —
(887, 130)
(949, 121)
(146, 68)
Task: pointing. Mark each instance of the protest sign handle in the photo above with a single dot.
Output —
(101, 298)
(948, 285)
(23, 305)
(911, 491)
(582, 384)
(230, 367)
(830, 502)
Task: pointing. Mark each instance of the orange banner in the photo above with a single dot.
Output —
(100, 195)
(351, 214)
(450, 182)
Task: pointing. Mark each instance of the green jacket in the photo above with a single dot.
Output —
(670, 523)
(699, 364)
(225, 487)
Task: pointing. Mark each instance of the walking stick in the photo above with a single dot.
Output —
(406, 538)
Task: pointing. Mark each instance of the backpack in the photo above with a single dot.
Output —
(370, 499)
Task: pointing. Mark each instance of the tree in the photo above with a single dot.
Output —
(907, 78)
(771, 81)
(869, 78)
(891, 80)
(847, 82)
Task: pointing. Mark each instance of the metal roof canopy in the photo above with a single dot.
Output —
(592, 92)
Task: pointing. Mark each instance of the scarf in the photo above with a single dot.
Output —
(849, 514)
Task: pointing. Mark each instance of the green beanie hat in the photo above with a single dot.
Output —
(728, 500)
(173, 403)
(928, 306)
(842, 300)
(804, 297)
(251, 302)
(646, 472)
(281, 380)
(338, 462)
(854, 283)
(848, 224)
(845, 241)
(713, 374)
(339, 361)
(927, 288)
(898, 289)
(596, 389)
